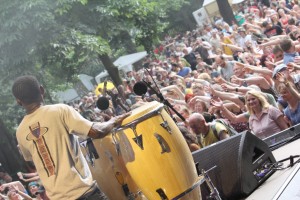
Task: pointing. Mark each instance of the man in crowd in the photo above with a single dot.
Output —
(204, 131)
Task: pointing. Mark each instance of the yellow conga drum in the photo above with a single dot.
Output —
(109, 171)
(156, 154)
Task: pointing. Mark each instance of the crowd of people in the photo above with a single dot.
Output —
(222, 79)
(246, 74)
(28, 187)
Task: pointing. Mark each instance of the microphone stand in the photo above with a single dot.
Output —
(161, 97)
(119, 101)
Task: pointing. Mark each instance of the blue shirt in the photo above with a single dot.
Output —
(293, 116)
(184, 71)
(289, 57)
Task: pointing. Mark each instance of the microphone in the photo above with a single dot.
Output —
(102, 103)
(140, 88)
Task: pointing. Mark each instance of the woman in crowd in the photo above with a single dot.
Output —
(290, 95)
(283, 18)
(264, 119)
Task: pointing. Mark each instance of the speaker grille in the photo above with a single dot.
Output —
(236, 159)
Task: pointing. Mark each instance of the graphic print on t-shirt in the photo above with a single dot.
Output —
(37, 136)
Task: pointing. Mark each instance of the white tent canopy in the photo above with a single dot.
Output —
(206, 2)
(237, 1)
(86, 80)
(67, 95)
(124, 63)
(129, 59)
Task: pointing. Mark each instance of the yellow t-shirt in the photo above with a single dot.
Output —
(227, 50)
(48, 137)
(210, 138)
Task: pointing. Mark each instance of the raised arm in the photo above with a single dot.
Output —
(281, 78)
(228, 96)
(233, 47)
(228, 114)
(236, 89)
(23, 194)
(254, 80)
(28, 177)
(263, 71)
(177, 90)
(273, 41)
(101, 129)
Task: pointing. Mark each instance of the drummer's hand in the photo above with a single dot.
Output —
(101, 129)
(118, 119)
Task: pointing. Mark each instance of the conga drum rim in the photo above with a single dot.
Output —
(141, 113)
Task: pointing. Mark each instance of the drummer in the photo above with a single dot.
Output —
(47, 136)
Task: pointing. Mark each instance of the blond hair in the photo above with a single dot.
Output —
(204, 76)
(261, 98)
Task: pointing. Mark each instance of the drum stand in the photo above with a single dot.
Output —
(214, 194)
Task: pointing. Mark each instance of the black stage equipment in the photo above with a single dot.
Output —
(242, 163)
(140, 88)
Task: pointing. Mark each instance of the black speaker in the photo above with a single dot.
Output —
(242, 162)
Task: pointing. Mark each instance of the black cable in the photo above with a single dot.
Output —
(279, 164)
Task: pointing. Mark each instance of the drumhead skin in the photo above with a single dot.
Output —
(142, 110)
(156, 154)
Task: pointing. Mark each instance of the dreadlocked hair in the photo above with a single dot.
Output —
(27, 89)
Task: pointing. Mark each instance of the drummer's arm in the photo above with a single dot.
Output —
(101, 129)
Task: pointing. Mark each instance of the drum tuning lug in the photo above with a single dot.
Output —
(163, 144)
(117, 145)
(139, 141)
(166, 126)
(126, 190)
(118, 149)
(138, 138)
(162, 194)
(110, 157)
(89, 160)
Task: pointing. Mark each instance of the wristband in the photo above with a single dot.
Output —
(236, 89)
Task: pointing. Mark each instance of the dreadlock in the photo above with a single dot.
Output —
(27, 89)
